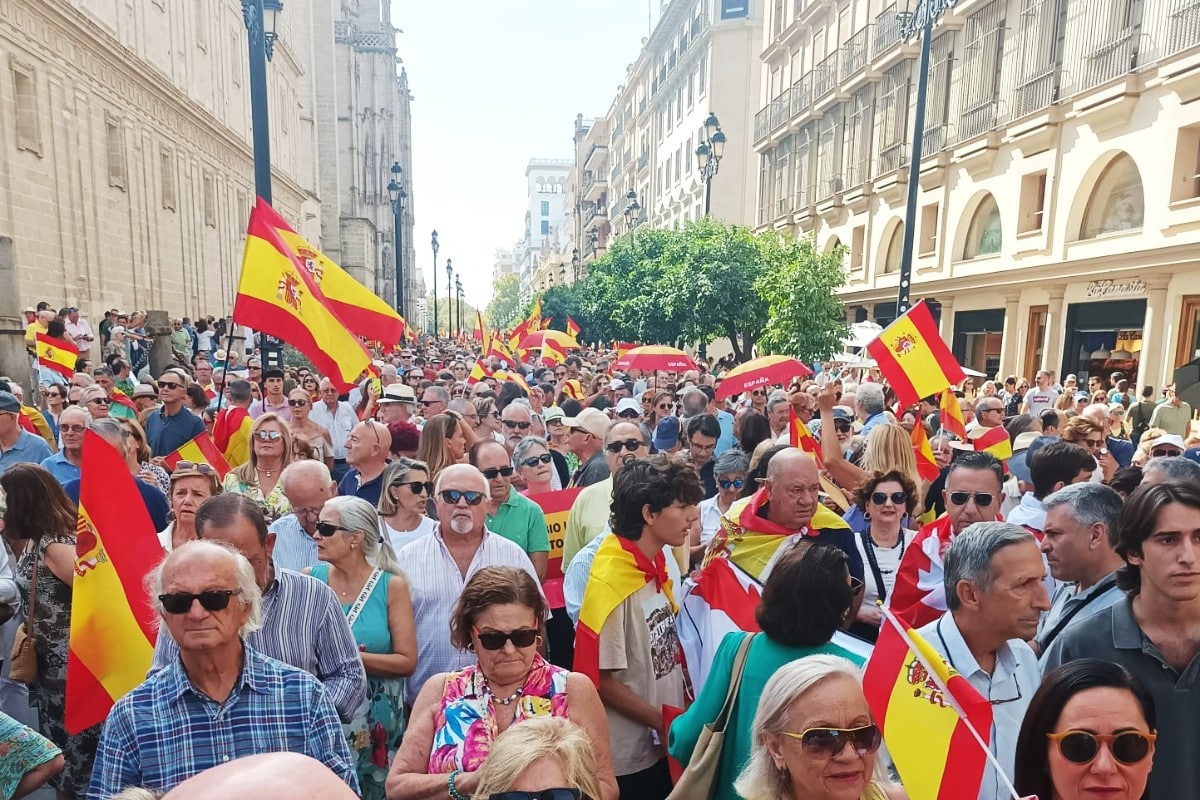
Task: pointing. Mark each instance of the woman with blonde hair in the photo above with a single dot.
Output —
(445, 440)
(258, 478)
(403, 502)
(151, 472)
(304, 429)
(544, 754)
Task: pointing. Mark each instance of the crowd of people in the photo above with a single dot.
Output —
(372, 590)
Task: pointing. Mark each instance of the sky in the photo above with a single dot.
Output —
(494, 84)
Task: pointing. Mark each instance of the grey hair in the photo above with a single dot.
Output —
(439, 393)
(733, 460)
(87, 417)
(775, 399)
(307, 467)
(761, 779)
(462, 405)
(392, 473)
(247, 585)
(1090, 503)
(464, 469)
(110, 429)
(239, 390)
(969, 556)
(93, 390)
(1174, 469)
(694, 394)
(521, 451)
(517, 404)
(360, 516)
(870, 397)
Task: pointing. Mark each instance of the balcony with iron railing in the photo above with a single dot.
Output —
(855, 52)
(598, 149)
(1183, 26)
(825, 76)
(887, 31)
(593, 211)
(643, 161)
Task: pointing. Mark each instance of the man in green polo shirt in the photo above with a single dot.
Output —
(516, 518)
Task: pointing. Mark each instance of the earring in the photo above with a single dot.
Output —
(867, 516)
(353, 546)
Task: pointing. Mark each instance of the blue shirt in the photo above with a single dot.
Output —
(294, 548)
(152, 496)
(166, 433)
(27, 449)
(62, 469)
(165, 731)
(303, 625)
(725, 441)
(368, 491)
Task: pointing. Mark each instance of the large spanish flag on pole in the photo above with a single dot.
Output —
(914, 359)
(277, 295)
(200, 450)
(478, 333)
(58, 355)
(936, 724)
(363, 312)
(113, 624)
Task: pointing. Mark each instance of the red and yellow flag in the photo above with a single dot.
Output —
(364, 313)
(533, 323)
(573, 328)
(34, 421)
(913, 357)
(231, 435)
(995, 441)
(512, 376)
(113, 624)
(478, 372)
(517, 334)
(620, 569)
(277, 295)
(800, 436)
(477, 334)
(58, 355)
(927, 713)
(200, 450)
(952, 416)
(121, 405)
(927, 466)
(555, 507)
(496, 347)
(553, 352)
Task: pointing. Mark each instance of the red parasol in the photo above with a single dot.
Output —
(654, 357)
(759, 372)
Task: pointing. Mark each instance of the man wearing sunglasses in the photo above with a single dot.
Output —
(306, 485)
(589, 514)
(64, 465)
(516, 421)
(586, 440)
(220, 698)
(173, 425)
(439, 565)
(994, 588)
(511, 515)
(302, 621)
(972, 494)
(16, 444)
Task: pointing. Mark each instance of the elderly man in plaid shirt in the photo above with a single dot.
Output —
(219, 700)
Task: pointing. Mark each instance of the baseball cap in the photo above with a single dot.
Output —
(1082, 396)
(9, 402)
(628, 404)
(616, 383)
(1192, 454)
(117, 329)
(1019, 463)
(666, 433)
(592, 420)
(1170, 440)
(553, 413)
(398, 393)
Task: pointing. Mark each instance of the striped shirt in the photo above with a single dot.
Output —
(294, 548)
(303, 625)
(165, 730)
(434, 583)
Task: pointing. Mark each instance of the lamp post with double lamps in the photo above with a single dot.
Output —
(435, 271)
(398, 194)
(708, 157)
(449, 289)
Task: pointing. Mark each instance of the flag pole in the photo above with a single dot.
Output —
(225, 369)
(916, 651)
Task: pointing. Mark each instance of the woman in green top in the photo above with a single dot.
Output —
(806, 599)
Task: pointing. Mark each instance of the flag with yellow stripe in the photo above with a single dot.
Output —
(113, 624)
(913, 357)
(952, 416)
(58, 355)
(993, 440)
(200, 450)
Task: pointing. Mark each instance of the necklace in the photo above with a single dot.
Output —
(268, 472)
(504, 701)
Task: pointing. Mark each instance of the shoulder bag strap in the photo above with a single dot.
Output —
(361, 600)
(735, 683)
(869, 549)
(1066, 618)
(37, 562)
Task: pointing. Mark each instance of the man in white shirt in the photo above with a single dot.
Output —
(79, 330)
(1041, 397)
(339, 419)
(995, 593)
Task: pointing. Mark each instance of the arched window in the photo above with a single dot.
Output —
(895, 250)
(1117, 202)
(984, 236)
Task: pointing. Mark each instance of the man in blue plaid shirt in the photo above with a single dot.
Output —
(219, 700)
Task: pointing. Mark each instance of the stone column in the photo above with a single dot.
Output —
(14, 360)
(1010, 350)
(1055, 322)
(1152, 368)
(947, 327)
(158, 330)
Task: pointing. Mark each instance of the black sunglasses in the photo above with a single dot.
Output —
(212, 600)
(630, 414)
(452, 496)
(533, 461)
(545, 794)
(982, 499)
(841, 426)
(629, 444)
(492, 474)
(512, 423)
(416, 487)
(328, 529)
(428, 403)
(297, 403)
(169, 385)
(897, 498)
(494, 640)
(1081, 747)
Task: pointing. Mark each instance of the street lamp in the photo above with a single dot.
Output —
(449, 307)
(594, 240)
(562, 274)
(435, 314)
(398, 195)
(708, 156)
(458, 295)
(633, 210)
(575, 265)
(260, 18)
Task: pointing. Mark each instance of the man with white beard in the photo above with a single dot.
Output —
(439, 566)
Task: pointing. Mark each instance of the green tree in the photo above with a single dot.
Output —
(447, 320)
(506, 302)
(805, 317)
(619, 298)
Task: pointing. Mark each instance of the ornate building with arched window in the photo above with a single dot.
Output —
(1058, 213)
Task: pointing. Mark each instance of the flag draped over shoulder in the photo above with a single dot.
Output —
(121, 405)
(364, 313)
(952, 416)
(913, 357)
(926, 711)
(918, 596)
(995, 441)
(200, 450)
(113, 625)
(57, 355)
(800, 436)
(276, 295)
(619, 570)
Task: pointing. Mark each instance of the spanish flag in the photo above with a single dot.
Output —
(276, 295)
(517, 334)
(620, 569)
(121, 405)
(800, 436)
(553, 353)
(936, 724)
(927, 466)
(200, 450)
(231, 435)
(477, 334)
(364, 313)
(58, 355)
(952, 417)
(113, 625)
(533, 323)
(496, 347)
(995, 441)
(512, 376)
(478, 372)
(573, 328)
(914, 359)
